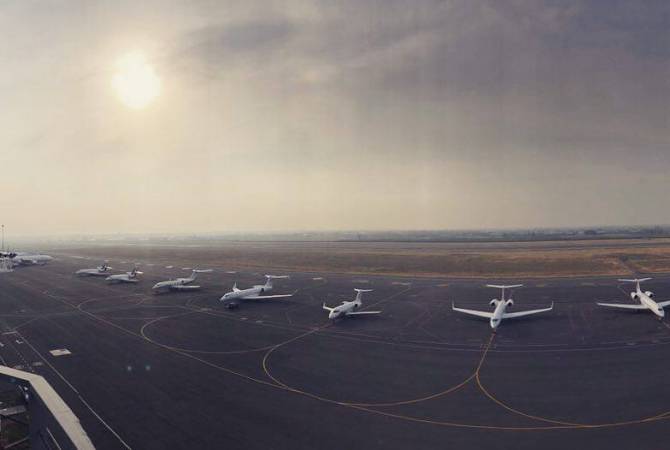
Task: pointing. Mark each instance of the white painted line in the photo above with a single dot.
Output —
(60, 352)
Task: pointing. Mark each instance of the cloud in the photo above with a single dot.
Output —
(376, 113)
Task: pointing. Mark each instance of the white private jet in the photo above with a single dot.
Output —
(349, 308)
(252, 293)
(179, 284)
(128, 277)
(101, 270)
(27, 259)
(645, 299)
(501, 305)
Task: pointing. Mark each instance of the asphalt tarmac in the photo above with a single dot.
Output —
(179, 370)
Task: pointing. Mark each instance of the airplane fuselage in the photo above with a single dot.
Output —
(93, 272)
(164, 285)
(249, 292)
(30, 259)
(498, 312)
(647, 301)
(122, 278)
(343, 309)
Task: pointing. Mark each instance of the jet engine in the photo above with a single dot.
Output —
(510, 302)
(649, 294)
(633, 295)
(493, 302)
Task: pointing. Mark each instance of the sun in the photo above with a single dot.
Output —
(135, 81)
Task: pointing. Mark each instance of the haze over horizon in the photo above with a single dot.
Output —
(214, 116)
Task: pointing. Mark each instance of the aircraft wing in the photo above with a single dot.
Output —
(526, 313)
(263, 297)
(664, 304)
(360, 313)
(473, 312)
(185, 288)
(623, 306)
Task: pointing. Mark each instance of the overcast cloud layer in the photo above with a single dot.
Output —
(294, 115)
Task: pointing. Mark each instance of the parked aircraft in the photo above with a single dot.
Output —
(644, 297)
(252, 293)
(26, 259)
(101, 270)
(349, 308)
(179, 284)
(499, 313)
(128, 277)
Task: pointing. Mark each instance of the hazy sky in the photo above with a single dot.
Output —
(283, 115)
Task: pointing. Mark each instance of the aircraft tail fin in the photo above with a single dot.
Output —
(503, 287)
(637, 281)
(269, 278)
(359, 294)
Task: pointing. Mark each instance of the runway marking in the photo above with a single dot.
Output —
(377, 339)
(554, 424)
(267, 371)
(79, 396)
(143, 331)
(557, 423)
(20, 355)
(498, 402)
